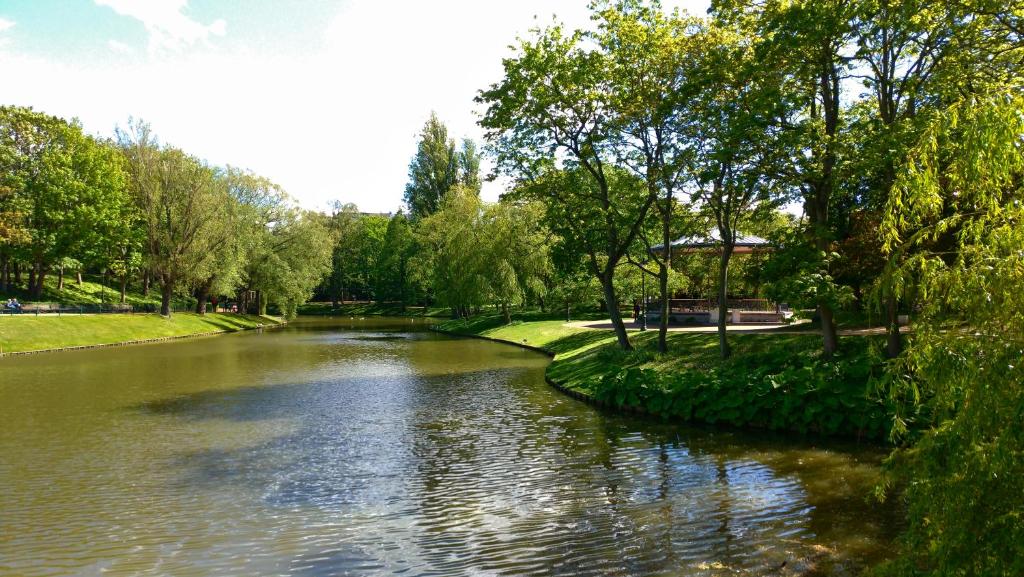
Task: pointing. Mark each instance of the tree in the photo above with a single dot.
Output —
(183, 207)
(902, 45)
(454, 255)
(438, 166)
(66, 187)
(809, 41)
(551, 122)
(651, 62)
(395, 278)
(517, 253)
(737, 112)
(955, 217)
(290, 258)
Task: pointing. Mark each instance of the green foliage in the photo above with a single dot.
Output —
(800, 275)
(801, 393)
(64, 192)
(954, 227)
(437, 167)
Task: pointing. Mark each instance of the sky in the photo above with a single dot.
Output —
(325, 97)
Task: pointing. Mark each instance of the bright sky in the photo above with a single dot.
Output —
(325, 97)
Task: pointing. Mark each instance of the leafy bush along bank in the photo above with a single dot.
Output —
(763, 390)
(774, 381)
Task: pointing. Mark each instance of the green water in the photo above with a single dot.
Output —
(373, 447)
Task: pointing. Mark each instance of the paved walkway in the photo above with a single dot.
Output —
(794, 328)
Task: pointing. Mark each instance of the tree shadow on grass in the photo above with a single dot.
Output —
(233, 322)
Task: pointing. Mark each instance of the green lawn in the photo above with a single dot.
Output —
(32, 333)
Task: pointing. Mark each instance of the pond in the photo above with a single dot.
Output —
(377, 447)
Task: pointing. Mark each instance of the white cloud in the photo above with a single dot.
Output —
(119, 47)
(6, 24)
(169, 29)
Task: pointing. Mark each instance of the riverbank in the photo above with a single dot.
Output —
(30, 333)
(773, 381)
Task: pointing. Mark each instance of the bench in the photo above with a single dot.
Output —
(36, 308)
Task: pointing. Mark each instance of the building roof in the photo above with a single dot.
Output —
(714, 240)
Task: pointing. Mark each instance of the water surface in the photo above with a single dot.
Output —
(373, 447)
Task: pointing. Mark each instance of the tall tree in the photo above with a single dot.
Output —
(737, 115)
(67, 187)
(902, 46)
(437, 166)
(552, 124)
(812, 42)
(651, 63)
(183, 208)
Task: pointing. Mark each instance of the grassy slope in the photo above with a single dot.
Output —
(583, 356)
(90, 293)
(31, 333)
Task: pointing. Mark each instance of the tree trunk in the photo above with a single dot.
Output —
(39, 271)
(145, 283)
(5, 273)
(723, 299)
(664, 299)
(505, 314)
(829, 336)
(124, 288)
(17, 273)
(613, 311)
(262, 302)
(78, 277)
(32, 281)
(202, 294)
(60, 278)
(894, 341)
(166, 288)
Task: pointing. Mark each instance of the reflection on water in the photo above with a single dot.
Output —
(375, 448)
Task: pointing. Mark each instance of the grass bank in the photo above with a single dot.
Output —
(23, 333)
(92, 292)
(773, 381)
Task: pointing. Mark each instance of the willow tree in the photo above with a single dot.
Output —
(518, 253)
(453, 259)
(552, 122)
(956, 219)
